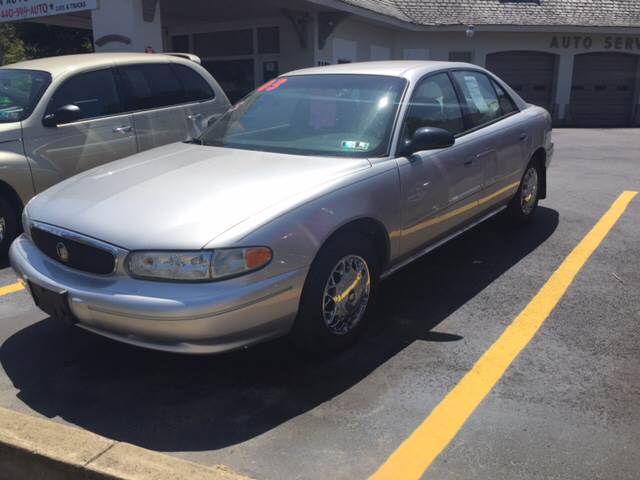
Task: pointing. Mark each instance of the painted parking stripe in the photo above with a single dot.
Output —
(416, 453)
(14, 287)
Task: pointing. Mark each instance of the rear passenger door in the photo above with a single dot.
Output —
(103, 133)
(154, 95)
(494, 125)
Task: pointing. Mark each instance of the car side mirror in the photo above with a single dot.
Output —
(65, 114)
(428, 138)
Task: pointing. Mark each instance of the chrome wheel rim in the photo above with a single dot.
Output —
(346, 294)
(529, 191)
(3, 228)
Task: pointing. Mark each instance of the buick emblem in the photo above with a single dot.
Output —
(63, 253)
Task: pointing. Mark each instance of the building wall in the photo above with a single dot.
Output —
(356, 41)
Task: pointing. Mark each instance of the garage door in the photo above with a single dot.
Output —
(530, 74)
(602, 90)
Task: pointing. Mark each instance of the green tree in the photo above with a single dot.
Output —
(12, 48)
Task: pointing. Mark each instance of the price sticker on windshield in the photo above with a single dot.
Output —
(272, 85)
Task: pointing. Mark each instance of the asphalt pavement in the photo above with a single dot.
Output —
(568, 408)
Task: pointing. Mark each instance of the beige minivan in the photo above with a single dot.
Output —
(62, 115)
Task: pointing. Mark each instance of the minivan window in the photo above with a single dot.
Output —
(151, 85)
(482, 102)
(196, 88)
(336, 115)
(94, 93)
(434, 104)
(20, 91)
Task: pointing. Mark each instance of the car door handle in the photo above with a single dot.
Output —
(123, 129)
(523, 137)
(195, 116)
(468, 162)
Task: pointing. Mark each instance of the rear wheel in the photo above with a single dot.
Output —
(337, 295)
(524, 204)
(8, 226)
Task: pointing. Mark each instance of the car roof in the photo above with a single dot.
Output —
(66, 63)
(394, 68)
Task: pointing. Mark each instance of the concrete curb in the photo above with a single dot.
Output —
(33, 448)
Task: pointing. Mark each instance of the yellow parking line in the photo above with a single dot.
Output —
(14, 287)
(416, 453)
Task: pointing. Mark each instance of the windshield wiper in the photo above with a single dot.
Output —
(195, 141)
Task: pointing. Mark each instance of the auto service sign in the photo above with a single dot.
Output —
(14, 10)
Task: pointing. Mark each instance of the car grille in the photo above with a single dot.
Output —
(79, 255)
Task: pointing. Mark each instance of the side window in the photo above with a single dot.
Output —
(435, 104)
(150, 86)
(506, 104)
(196, 88)
(482, 101)
(94, 93)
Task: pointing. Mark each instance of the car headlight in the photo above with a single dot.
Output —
(204, 265)
(26, 223)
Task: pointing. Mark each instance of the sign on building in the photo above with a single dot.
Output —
(14, 10)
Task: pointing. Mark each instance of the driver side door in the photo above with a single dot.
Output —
(103, 133)
(440, 188)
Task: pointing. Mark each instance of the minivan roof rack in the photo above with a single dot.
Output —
(188, 56)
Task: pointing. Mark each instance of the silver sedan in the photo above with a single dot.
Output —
(284, 215)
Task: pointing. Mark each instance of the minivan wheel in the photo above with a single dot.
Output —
(338, 295)
(8, 226)
(524, 204)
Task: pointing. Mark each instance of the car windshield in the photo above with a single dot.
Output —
(20, 90)
(335, 115)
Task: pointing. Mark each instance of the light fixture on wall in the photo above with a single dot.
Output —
(471, 31)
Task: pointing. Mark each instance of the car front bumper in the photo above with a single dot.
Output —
(179, 317)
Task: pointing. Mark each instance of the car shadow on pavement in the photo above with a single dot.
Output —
(170, 402)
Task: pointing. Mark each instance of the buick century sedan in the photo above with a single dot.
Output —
(285, 214)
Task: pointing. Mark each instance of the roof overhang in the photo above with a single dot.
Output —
(390, 22)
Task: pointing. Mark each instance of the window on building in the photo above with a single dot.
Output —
(228, 43)
(195, 87)
(269, 40)
(482, 101)
(506, 104)
(151, 86)
(466, 57)
(180, 43)
(94, 93)
(236, 77)
(434, 104)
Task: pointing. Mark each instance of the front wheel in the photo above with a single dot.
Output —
(337, 295)
(524, 204)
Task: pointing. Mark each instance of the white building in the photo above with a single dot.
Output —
(578, 58)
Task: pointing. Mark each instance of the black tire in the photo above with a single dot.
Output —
(8, 226)
(310, 331)
(519, 210)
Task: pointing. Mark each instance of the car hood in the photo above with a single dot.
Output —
(10, 132)
(181, 196)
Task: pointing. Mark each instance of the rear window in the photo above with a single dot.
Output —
(150, 86)
(482, 101)
(196, 88)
